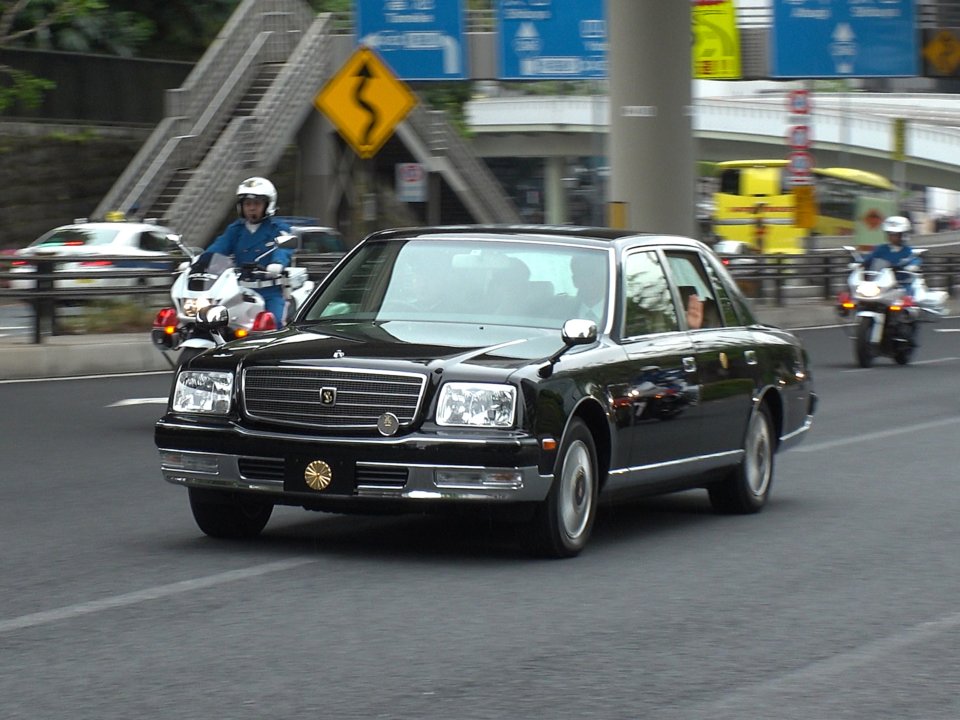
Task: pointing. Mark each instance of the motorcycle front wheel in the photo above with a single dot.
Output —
(863, 348)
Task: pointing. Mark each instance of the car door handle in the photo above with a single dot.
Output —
(750, 356)
(689, 365)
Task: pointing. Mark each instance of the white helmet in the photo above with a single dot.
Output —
(261, 188)
(896, 224)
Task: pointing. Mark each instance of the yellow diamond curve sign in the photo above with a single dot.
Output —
(365, 101)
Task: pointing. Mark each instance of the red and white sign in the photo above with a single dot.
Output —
(799, 137)
(799, 163)
(799, 102)
(411, 182)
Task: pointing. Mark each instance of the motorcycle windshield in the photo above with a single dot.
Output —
(199, 281)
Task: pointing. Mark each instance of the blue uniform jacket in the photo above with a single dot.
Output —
(245, 246)
(896, 258)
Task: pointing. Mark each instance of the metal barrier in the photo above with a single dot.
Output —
(48, 287)
(776, 277)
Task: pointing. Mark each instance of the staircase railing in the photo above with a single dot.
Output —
(254, 145)
(199, 135)
(467, 174)
(202, 100)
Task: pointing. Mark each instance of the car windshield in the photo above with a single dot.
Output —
(76, 237)
(532, 284)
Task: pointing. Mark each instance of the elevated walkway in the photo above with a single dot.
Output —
(243, 105)
(848, 129)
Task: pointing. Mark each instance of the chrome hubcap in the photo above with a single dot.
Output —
(576, 490)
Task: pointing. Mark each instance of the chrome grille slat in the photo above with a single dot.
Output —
(291, 396)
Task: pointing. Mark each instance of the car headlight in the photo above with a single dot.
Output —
(200, 391)
(476, 405)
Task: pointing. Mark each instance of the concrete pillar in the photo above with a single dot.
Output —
(318, 153)
(652, 148)
(555, 196)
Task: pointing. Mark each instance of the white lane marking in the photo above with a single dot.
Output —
(139, 401)
(827, 670)
(946, 330)
(85, 377)
(934, 361)
(879, 435)
(140, 596)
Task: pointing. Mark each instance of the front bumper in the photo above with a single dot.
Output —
(411, 470)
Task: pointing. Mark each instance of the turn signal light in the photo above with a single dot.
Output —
(264, 321)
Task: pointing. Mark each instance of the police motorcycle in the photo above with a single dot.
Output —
(216, 302)
(888, 309)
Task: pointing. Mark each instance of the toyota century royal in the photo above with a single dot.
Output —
(525, 372)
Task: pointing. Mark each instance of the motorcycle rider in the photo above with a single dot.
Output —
(249, 236)
(897, 253)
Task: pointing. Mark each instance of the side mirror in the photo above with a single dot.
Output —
(574, 332)
(213, 317)
(579, 332)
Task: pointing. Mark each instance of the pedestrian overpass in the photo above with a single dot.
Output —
(856, 129)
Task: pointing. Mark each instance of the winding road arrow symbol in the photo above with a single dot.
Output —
(365, 76)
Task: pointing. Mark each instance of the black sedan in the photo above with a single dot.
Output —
(518, 370)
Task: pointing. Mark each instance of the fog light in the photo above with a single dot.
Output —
(479, 478)
(191, 462)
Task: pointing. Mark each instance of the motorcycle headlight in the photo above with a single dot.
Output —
(476, 405)
(868, 289)
(200, 391)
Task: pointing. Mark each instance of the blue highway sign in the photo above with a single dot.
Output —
(418, 39)
(844, 38)
(552, 39)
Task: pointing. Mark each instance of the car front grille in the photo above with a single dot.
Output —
(330, 397)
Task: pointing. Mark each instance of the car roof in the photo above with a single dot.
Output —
(110, 225)
(562, 234)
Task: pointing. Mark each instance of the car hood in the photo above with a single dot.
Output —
(396, 345)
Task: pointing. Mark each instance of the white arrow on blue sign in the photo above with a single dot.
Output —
(843, 38)
(418, 39)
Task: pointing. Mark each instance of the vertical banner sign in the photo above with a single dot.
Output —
(844, 38)
(716, 40)
(899, 139)
(552, 39)
(418, 39)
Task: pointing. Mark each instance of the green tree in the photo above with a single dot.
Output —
(33, 22)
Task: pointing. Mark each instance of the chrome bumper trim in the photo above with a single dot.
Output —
(420, 485)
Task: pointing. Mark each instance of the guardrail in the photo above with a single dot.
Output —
(779, 278)
(822, 274)
(49, 287)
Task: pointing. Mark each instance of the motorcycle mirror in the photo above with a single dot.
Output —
(286, 239)
(178, 241)
(213, 317)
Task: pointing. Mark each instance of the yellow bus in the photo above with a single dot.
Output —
(754, 205)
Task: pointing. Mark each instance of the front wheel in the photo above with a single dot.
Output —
(229, 515)
(746, 489)
(863, 346)
(564, 521)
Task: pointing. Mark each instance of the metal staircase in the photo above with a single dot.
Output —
(244, 103)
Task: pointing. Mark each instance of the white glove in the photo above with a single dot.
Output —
(275, 269)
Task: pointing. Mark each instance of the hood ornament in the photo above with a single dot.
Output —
(388, 424)
(338, 354)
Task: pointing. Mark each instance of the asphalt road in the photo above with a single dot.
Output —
(840, 600)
